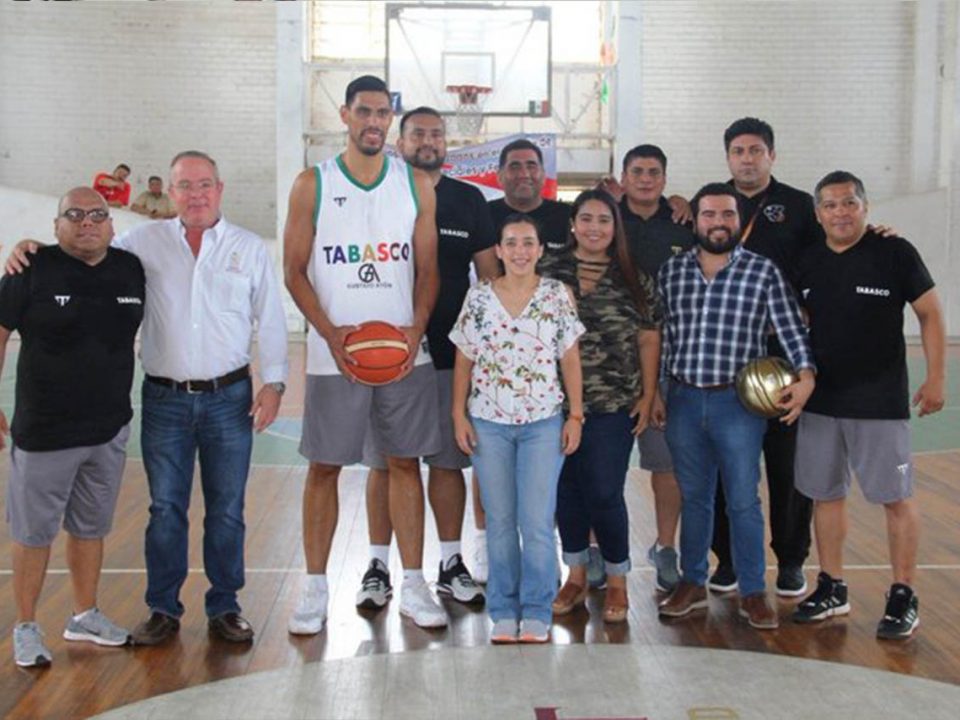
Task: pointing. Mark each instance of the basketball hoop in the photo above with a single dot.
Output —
(470, 100)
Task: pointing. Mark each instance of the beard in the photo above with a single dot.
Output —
(731, 240)
(418, 160)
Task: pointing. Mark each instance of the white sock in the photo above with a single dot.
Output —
(448, 549)
(317, 583)
(381, 553)
(412, 578)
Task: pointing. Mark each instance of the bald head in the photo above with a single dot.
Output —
(83, 195)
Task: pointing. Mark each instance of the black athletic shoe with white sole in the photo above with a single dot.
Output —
(455, 582)
(902, 614)
(828, 600)
(375, 588)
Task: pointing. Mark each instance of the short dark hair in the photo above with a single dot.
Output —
(422, 110)
(517, 218)
(714, 188)
(840, 177)
(521, 144)
(748, 126)
(124, 166)
(645, 151)
(199, 155)
(364, 83)
(154, 177)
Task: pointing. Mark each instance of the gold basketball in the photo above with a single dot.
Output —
(759, 383)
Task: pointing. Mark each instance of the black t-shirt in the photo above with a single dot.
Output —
(553, 216)
(464, 228)
(652, 242)
(77, 325)
(855, 300)
(785, 223)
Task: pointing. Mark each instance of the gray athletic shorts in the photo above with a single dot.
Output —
(450, 457)
(78, 486)
(401, 416)
(877, 451)
(652, 446)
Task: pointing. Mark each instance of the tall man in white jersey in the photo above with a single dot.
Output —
(361, 244)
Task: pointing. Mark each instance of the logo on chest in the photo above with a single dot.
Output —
(775, 213)
(61, 300)
(878, 292)
(129, 301)
(340, 200)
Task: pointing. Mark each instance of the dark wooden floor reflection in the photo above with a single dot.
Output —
(85, 679)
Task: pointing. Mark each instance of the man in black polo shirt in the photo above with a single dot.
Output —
(654, 237)
(779, 223)
(854, 287)
(521, 177)
(77, 308)
(465, 234)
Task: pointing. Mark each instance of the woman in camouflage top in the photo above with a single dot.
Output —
(620, 354)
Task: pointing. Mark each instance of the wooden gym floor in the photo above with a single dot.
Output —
(85, 680)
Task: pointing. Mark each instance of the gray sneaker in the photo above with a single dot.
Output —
(93, 626)
(665, 561)
(28, 647)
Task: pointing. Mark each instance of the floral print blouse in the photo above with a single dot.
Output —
(515, 378)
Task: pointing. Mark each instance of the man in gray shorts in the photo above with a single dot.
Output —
(77, 309)
(854, 286)
(360, 244)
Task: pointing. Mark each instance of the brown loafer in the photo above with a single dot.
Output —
(156, 629)
(570, 597)
(231, 627)
(759, 612)
(686, 598)
(615, 605)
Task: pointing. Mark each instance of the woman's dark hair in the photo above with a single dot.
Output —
(618, 249)
(517, 218)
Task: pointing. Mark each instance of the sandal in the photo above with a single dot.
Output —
(615, 606)
(570, 597)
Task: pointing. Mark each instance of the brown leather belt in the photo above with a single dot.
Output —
(721, 386)
(203, 386)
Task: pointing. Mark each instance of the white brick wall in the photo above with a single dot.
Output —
(85, 86)
(833, 79)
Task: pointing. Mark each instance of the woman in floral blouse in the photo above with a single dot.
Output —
(511, 336)
(620, 352)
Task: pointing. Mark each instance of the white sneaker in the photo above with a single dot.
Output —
(418, 604)
(481, 566)
(311, 612)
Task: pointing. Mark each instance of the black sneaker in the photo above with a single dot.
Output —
(375, 588)
(829, 599)
(901, 616)
(791, 582)
(456, 582)
(724, 579)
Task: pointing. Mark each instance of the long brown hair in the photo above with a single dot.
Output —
(618, 249)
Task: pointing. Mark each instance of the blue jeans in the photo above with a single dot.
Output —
(518, 467)
(176, 425)
(707, 431)
(590, 494)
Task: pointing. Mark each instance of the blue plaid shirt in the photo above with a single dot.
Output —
(712, 329)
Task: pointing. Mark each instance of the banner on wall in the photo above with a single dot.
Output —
(477, 164)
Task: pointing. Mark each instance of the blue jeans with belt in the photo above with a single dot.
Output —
(177, 426)
(518, 467)
(590, 494)
(710, 430)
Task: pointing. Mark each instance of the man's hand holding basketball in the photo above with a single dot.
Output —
(336, 339)
(414, 335)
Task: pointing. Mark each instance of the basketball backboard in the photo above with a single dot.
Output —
(431, 47)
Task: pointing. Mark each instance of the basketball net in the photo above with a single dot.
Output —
(469, 111)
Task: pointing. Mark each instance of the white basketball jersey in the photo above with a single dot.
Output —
(362, 267)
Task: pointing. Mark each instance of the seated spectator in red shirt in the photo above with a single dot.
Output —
(154, 203)
(114, 188)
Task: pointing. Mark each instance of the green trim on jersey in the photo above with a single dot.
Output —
(316, 207)
(372, 186)
(413, 188)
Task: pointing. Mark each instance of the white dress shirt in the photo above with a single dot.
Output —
(200, 313)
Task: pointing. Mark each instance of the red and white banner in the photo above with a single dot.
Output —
(478, 164)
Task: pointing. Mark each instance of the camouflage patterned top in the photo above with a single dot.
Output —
(609, 352)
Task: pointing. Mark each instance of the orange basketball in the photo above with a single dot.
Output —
(380, 350)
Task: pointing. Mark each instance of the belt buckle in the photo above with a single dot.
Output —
(190, 390)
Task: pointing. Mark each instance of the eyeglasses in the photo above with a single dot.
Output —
(78, 215)
(186, 186)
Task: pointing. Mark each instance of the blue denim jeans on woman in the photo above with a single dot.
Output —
(590, 494)
(176, 426)
(707, 431)
(518, 467)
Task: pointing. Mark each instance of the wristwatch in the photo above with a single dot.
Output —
(278, 386)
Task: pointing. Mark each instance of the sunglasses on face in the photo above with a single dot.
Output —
(78, 215)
